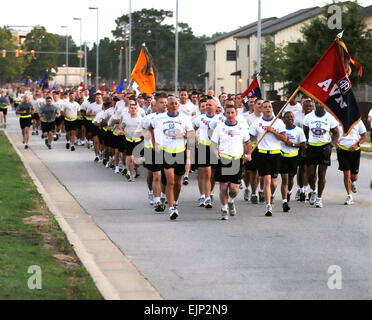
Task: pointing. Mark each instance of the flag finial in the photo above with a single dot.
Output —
(339, 36)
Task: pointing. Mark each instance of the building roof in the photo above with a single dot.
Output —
(367, 10)
(236, 31)
(284, 22)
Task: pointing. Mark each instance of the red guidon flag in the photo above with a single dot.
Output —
(328, 83)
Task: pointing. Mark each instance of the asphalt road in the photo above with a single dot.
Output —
(248, 257)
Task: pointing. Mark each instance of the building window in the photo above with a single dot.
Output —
(231, 55)
(237, 51)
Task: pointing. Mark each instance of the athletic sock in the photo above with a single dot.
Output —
(157, 199)
(162, 195)
(224, 207)
(285, 200)
(231, 200)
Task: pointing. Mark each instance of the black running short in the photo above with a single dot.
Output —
(36, 116)
(318, 155)
(153, 160)
(4, 111)
(348, 161)
(289, 165)
(229, 171)
(269, 164)
(70, 125)
(134, 148)
(253, 164)
(25, 122)
(47, 126)
(177, 161)
(59, 120)
(205, 158)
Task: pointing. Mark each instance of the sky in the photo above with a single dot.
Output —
(203, 16)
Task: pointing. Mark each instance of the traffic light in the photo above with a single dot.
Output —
(20, 52)
(79, 55)
(32, 52)
(16, 53)
(4, 53)
(122, 48)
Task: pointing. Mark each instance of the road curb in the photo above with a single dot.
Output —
(125, 271)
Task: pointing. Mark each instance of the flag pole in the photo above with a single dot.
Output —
(277, 116)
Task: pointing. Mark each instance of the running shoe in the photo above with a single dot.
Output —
(72, 148)
(298, 194)
(254, 199)
(202, 202)
(286, 207)
(302, 197)
(37, 132)
(26, 146)
(185, 180)
(33, 133)
(96, 159)
(312, 198)
(49, 147)
(173, 213)
(117, 170)
(208, 203)
(67, 145)
(104, 162)
(150, 198)
(46, 142)
(261, 196)
(224, 215)
(269, 211)
(319, 203)
(349, 201)
(247, 194)
(354, 187)
(163, 201)
(232, 209)
(131, 179)
(159, 207)
(124, 172)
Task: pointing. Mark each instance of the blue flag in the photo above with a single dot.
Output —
(120, 88)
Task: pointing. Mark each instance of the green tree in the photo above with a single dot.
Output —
(10, 66)
(148, 26)
(41, 40)
(273, 57)
(302, 55)
(73, 61)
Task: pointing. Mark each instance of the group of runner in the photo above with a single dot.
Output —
(171, 136)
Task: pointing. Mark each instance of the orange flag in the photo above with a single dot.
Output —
(143, 73)
(114, 87)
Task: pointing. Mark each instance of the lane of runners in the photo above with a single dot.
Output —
(173, 136)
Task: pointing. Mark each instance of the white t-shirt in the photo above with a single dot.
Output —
(188, 109)
(354, 136)
(296, 109)
(251, 117)
(146, 123)
(202, 122)
(173, 130)
(131, 125)
(71, 109)
(59, 104)
(230, 139)
(269, 142)
(94, 107)
(84, 106)
(370, 116)
(320, 127)
(299, 120)
(220, 118)
(295, 135)
(99, 117)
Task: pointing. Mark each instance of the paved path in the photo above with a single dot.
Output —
(247, 257)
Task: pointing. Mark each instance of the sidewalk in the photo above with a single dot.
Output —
(114, 275)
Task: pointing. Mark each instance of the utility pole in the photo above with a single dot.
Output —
(66, 80)
(85, 65)
(259, 39)
(176, 54)
(130, 42)
(121, 65)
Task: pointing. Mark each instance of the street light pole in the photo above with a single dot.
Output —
(79, 19)
(259, 38)
(65, 27)
(85, 65)
(130, 41)
(97, 57)
(176, 54)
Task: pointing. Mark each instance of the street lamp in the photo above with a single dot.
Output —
(65, 27)
(97, 57)
(79, 19)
